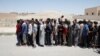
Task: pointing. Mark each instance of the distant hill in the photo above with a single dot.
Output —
(9, 19)
(7, 16)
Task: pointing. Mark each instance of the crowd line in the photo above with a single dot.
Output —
(85, 34)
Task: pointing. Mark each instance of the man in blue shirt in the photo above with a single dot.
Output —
(24, 31)
(85, 34)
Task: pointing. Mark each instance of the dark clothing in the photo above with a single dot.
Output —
(30, 40)
(94, 39)
(48, 31)
(98, 40)
(60, 34)
(90, 36)
(18, 33)
(47, 38)
(18, 28)
(85, 42)
(38, 33)
(75, 33)
(19, 40)
(69, 36)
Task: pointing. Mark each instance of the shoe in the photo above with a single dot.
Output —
(41, 45)
(33, 46)
(18, 44)
(23, 44)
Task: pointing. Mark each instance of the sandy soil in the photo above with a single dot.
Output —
(8, 48)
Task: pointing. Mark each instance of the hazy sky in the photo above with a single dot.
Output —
(67, 6)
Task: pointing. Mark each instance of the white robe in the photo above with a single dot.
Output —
(30, 29)
(42, 34)
(34, 28)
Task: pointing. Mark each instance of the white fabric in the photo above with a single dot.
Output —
(65, 25)
(34, 28)
(42, 34)
(30, 29)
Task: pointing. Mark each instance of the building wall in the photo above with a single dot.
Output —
(87, 17)
(98, 10)
(7, 20)
(91, 11)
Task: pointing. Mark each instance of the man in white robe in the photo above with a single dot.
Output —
(42, 34)
(34, 29)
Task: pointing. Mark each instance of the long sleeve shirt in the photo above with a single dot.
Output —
(30, 29)
(24, 28)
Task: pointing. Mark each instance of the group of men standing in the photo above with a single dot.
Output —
(57, 32)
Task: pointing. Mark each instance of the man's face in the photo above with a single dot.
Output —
(74, 22)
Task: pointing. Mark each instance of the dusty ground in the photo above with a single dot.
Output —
(8, 48)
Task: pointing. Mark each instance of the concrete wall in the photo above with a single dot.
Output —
(91, 10)
(7, 19)
(87, 17)
(94, 10)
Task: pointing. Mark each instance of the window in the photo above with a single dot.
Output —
(99, 13)
(86, 13)
(92, 13)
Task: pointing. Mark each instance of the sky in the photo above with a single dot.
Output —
(34, 6)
